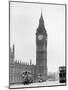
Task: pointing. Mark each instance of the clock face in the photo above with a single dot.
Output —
(40, 37)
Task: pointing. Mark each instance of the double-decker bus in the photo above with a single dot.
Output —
(62, 74)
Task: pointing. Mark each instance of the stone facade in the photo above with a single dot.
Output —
(16, 68)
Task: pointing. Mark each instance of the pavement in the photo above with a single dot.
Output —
(47, 83)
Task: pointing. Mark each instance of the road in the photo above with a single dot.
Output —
(47, 83)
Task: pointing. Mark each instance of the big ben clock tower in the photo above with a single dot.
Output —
(41, 50)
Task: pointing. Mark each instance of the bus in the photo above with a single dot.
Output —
(62, 74)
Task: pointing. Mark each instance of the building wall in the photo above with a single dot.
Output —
(16, 69)
(16, 72)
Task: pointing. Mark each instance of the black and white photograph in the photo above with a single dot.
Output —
(37, 44)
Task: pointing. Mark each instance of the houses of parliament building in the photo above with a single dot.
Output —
(16, 68)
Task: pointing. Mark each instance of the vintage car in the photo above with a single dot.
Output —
(27, 77)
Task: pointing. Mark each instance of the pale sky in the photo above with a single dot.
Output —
(24, 20)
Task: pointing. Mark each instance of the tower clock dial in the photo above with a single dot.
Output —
(40, 37)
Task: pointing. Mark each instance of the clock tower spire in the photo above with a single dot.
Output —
(41, 21)
(41, 27)
(41, 50)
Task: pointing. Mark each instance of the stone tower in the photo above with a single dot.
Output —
(11, 64)
(41, 50)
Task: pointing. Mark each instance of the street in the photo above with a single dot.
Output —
(47, 83)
